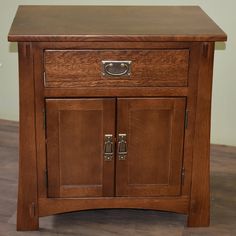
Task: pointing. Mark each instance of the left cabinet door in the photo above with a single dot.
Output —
(76, 130)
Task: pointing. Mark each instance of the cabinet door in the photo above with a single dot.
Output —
(75, 144)
(155, 132)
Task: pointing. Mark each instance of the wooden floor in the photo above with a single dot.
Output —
(120, 222)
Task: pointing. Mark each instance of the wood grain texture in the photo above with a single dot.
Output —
(59, 205)
(199, 212)
(155, 131)
(111, 45)
(40, 122)
(223, 205)
(195, 54)
(27, 208)
(172, 56)
(118, 23)
(75, 137)
(76, 68)
(117, 91)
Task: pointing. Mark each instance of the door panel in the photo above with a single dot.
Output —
(155, 131)
(75, 134)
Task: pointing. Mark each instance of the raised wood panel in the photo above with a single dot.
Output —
(149, 151)
(155, 131)
(76, 68)
(76, 139)
(75, 131)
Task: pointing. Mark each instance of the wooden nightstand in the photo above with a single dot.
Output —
(114, 109)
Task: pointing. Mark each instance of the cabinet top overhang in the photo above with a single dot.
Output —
(113, 23)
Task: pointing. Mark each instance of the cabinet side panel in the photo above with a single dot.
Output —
(27, 209)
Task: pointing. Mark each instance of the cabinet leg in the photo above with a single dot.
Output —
(198, 217)
(27, 209)
(27, 205)
(199, 209)
(27, 217)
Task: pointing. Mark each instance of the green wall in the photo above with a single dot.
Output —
(224, 87)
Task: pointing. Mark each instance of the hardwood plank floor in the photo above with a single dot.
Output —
(123, 221)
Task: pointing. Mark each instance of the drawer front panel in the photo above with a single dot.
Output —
(82, 68)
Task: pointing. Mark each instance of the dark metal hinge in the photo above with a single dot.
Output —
(186, 119)
(182, 175)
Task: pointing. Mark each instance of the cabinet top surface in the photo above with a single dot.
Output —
(113, 23)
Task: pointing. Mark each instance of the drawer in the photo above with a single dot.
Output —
(83, 68)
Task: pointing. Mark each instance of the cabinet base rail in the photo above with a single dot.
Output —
(50, 206)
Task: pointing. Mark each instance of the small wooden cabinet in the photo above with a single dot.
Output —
(114, 109)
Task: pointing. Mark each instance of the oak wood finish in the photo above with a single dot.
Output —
(117, 91)
(165, 100)
(191, 114)
(155, 131)
(223, 190)
(107, 23)
(27, 208)
(200, 188)
(49, 206)
(75, 134)
(40, 121)
(79, 68)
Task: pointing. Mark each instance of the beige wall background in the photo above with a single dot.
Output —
(224, 86)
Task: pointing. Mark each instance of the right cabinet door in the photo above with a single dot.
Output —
(151, 131)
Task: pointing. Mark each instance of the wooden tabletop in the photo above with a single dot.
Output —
(109, 23)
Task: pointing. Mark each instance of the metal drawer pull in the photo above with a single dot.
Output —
(122, 146)
(108, 147)
(116, 68)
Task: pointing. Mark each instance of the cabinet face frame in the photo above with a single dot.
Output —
(42, 93)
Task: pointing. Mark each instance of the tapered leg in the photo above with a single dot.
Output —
(199, 210)
(27, 209)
